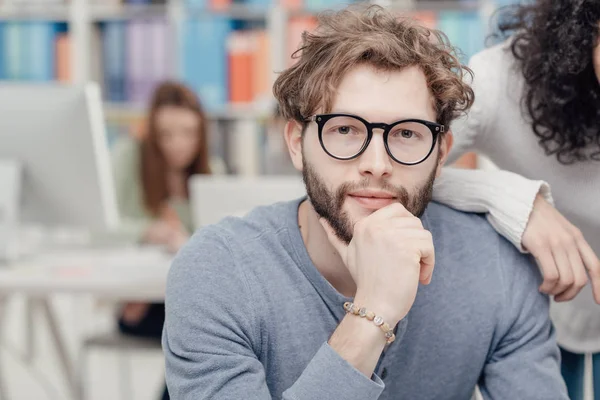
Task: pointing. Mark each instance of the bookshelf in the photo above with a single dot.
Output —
(86, 22)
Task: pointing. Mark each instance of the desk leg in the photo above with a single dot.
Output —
(29, 329)
(61, 349)
(3, 395)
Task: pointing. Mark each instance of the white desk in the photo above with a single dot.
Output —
(117, 274)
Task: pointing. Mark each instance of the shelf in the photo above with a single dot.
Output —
(233, 11)
(107, 12)
(100, 12)
(446, 5)
(400, 6)
(128, 113)
(132, 11)
(34, 11)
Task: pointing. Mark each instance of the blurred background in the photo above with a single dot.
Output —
(54, 312)
(227, 51)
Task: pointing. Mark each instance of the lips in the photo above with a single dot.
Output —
(372, 200)
(372, 194)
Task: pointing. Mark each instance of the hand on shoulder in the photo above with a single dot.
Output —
(564, 256)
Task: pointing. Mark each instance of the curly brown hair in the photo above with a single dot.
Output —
(375, 36)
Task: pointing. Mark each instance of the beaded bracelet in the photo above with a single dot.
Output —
(362, 312)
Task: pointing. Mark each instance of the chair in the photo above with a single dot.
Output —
(115, 341)
(215, 197)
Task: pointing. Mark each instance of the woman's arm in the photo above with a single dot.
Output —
(518, 208)
(507, 198)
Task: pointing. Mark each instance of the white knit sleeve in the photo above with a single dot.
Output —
(506, 197)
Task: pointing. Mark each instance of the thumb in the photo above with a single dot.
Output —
(337, 244)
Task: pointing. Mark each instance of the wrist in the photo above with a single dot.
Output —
(359, 342)
(389, 313)
(370, 316)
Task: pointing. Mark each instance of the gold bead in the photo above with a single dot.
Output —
(391, 338)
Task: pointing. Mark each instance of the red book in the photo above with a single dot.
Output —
(240, 47)
(63, 58)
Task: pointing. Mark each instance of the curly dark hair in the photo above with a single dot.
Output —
(553, 43)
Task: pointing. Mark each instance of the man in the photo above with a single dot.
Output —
(319, 298)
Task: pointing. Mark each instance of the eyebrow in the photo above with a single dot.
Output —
(402, 118)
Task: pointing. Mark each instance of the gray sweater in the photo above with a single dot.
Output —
(249, 316)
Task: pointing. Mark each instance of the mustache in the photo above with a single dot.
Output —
(366, 183)
(399, 192)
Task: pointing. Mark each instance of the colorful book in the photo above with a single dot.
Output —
(40, 52)
(474, 35)
(160, 65)
(450, 22)
(261, 66)
(292, 4)
(2, 56)
(63, 57)
(259, 4)
(136, 65)
(219, 4)
(204, 60)
(197, 3)
(13, 48)
(240, 48)
(113, 53)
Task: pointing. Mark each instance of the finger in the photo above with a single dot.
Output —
(404, 223)
(579, 277)
(335, 241)
(565, 271)
(419, 241)
(390, 211)
(592, 265)
(548, 269)
(427, 252)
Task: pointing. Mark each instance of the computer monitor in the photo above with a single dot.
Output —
(56, 133)
(214, 197)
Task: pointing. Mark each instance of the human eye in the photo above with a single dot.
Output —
(406, 134)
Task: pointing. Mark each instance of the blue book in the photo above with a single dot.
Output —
(337, 4)
(25, 52)
(40, 52)
(197, 3)
(502, 3)
(13, 47)
(315, 5)
(451, 23)
(113, 43)
(205, 58)
(474, 35)
(2, 55)
(259, 4)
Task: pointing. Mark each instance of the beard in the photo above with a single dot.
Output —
(329, 205)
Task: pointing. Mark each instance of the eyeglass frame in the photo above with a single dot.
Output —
(321, 120)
